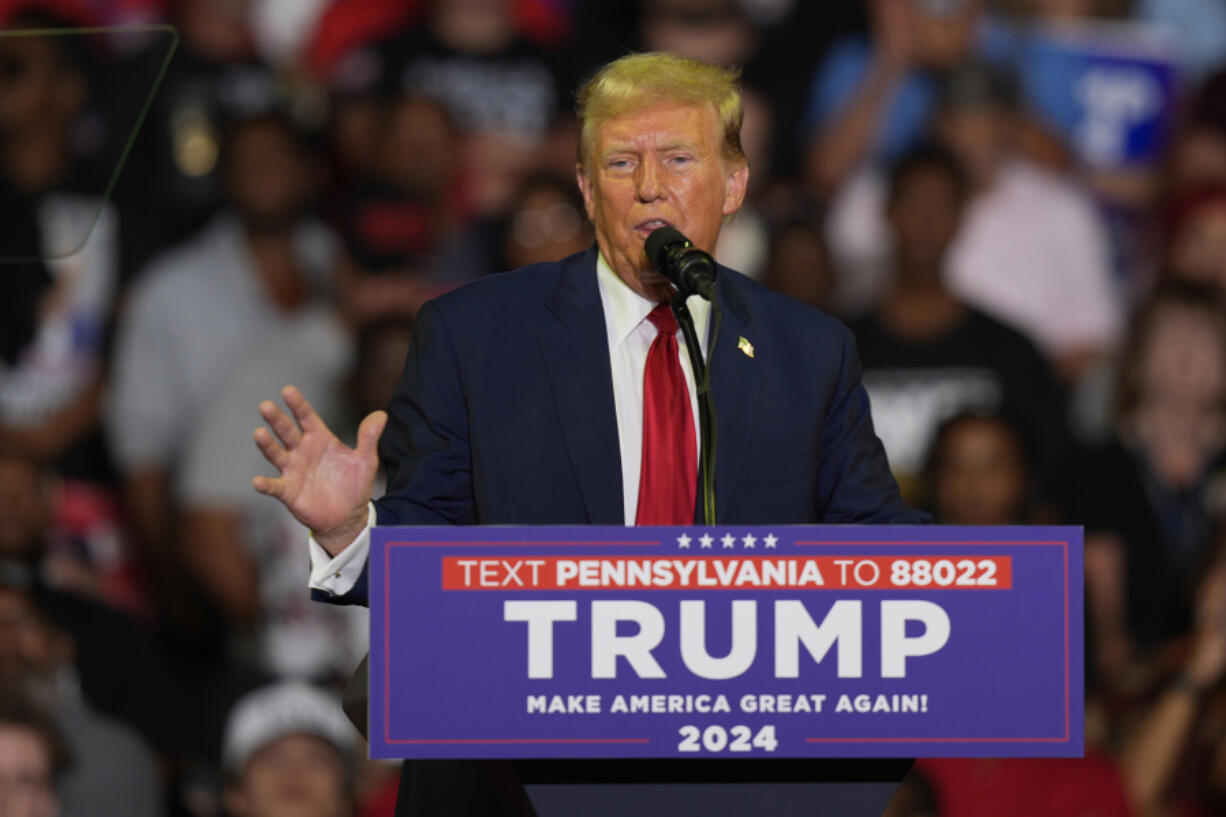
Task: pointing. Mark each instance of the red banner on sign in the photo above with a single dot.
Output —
(727, 572)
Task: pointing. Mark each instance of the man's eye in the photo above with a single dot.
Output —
(619, 164)
(682, 160)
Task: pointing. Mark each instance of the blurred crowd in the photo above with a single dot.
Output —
(1019, 206)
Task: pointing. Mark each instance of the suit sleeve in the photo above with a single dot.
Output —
(854, 479)
(425, 447)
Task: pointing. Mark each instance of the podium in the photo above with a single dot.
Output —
(771, 670)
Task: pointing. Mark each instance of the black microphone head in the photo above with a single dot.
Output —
(658, 241)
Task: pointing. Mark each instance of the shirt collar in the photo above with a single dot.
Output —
(625, 309)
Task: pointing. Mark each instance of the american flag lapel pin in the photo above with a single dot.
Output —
(745, 346)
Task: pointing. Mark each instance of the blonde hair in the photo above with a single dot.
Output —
(641, 80)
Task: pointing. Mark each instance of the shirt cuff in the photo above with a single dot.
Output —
(336, 575)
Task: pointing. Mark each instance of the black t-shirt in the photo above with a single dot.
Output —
(979, 365)
(514, 89)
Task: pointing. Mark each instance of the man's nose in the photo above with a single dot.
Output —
(647, 182)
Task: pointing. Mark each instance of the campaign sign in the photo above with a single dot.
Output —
(1108, 88)
(763, 641)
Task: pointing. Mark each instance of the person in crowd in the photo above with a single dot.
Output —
(928, 355)
(34, 757)
(1196, 237)
(59, 257)
(870, 100)
(121, 671)
(61, 253)
(1197, 157)
(798, 264)
(714, 31)
(259, 277)
(402, 217)
(289, 751)
(176, 180)
(1149, 497)
(345, 25)
(246, 553)
(1171, 756)
(500, 88)
(115, 774)
(418, 160)
(1198, 150)
(246, 300)
(199, 309)
(1031, 250)
(978, 472)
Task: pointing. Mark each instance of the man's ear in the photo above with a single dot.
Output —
(585, 187)
(736, 184)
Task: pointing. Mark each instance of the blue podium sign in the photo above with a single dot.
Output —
(764, 641)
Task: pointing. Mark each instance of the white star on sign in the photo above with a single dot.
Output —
(705, 540)
(770, 540)
(683, 540)
(749, 540)
(729, 540)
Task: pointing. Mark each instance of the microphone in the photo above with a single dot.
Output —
(690, 270)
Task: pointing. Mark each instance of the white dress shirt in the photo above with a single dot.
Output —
(630, 336)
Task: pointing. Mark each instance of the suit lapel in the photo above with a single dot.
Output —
(734, 387)
(575, 348)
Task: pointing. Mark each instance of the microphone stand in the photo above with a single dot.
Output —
(706, 407)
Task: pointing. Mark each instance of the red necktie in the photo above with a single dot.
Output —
(668, 481)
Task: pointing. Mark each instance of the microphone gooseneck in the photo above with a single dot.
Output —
(692, 272)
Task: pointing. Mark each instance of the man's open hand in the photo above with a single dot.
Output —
(324, 483)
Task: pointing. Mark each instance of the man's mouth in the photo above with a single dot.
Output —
(646, 228)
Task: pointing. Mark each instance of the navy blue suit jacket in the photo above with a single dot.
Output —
(505, 415)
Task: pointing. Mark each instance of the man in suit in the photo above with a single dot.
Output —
(561, 392)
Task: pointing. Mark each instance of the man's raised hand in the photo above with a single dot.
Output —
(324, 483)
